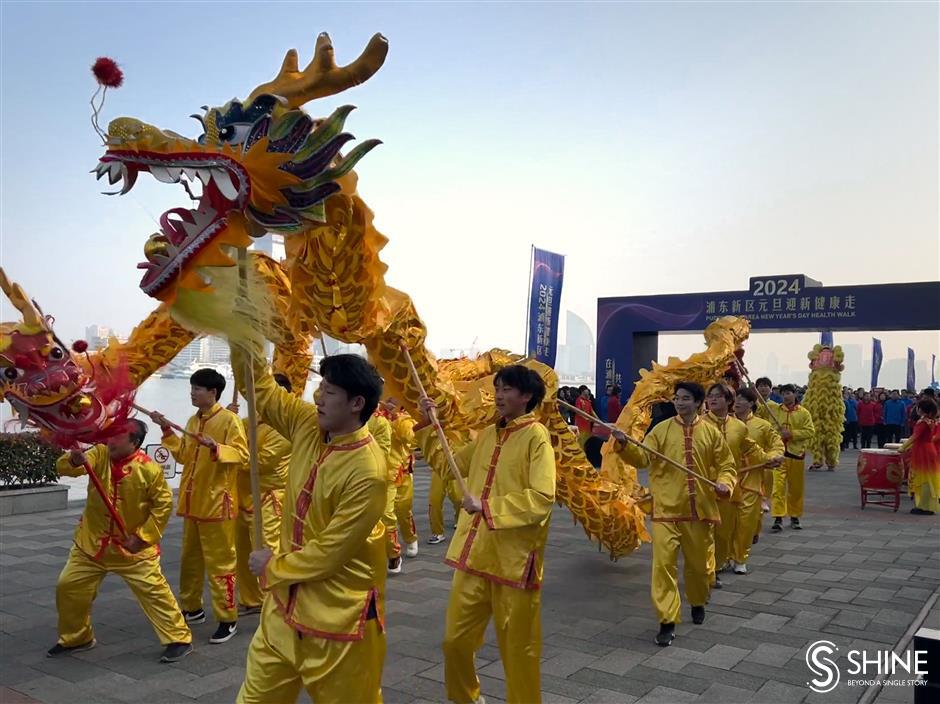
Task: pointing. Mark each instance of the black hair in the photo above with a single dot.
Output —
(525, 381)
(209, 379)
(592, 450)
(138, 431)
(788, 387)
(582, 388)
(764, 381)
(927, 406)
(282, 381)
(725, 391)
(750, 395)
(929, 392)
(357, 377)
(698, 393)
(615, 390)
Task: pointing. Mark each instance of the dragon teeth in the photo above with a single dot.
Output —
(164, 175)
(224, 183)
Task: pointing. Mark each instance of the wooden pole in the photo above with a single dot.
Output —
(664, 458)
(116, 517)
(178, 428)
(323, 345)
(252, 417)
(437, 425)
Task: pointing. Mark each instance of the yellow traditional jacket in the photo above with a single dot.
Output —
(511, 468)
(798, 421)
(678, 496)
(137, 489)
(761, 411)
(744, 448)
(403, 441)
(769, 440)
(208, 487)
(273, 459)
(381, 430)
(327, 574)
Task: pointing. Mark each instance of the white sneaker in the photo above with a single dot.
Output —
(740, 568)
(435, 539)
(411, 549)
(394, 566)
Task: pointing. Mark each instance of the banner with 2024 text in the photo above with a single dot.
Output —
(548, 271)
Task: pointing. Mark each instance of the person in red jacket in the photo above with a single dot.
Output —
(869, 415)
(614, 407)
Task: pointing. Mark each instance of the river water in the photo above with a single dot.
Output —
(168, 396)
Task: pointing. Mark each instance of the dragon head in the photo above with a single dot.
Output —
(264, 165)
(44, 383)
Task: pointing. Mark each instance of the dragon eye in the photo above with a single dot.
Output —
(11, 373)
(234, 134)
(57, 353)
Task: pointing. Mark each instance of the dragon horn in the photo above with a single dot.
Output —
(31, 316)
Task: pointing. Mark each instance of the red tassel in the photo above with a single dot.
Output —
(107, 72)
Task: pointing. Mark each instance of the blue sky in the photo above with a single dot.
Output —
(661, 147)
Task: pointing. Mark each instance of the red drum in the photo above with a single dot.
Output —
(880, 473)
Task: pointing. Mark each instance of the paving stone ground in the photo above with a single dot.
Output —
(856, 578)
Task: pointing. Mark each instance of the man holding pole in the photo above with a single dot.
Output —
(498, 547)
(138, 494)
(322, 620)
(211, 451)
(684, 502)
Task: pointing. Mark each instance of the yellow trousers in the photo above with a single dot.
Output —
(208, 547)
(748, 525)
(280, 662)
(404, 498)
(78, 586)
(439, 489)
(787, 498)
(695, 540)
(249, 593)
(925, 487)
(517, 617)
(724, 533)
(390, 521)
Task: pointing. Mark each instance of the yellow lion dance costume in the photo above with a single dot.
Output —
(824, 401)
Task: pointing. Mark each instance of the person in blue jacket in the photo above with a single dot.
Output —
(850, 425)
(895, 414)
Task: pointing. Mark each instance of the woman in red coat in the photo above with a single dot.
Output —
(869, 415)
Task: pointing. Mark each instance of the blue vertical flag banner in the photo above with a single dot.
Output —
(825, 338)
(911, 381)
(933, 371)
(548, 271)
(876, 358)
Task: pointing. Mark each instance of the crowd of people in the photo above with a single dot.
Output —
(311, 547)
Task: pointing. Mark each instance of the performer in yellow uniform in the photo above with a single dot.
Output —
(207, 501)
(751, 484)
(273, 459)
(787, 499)
(136, 487)
(381, 430)
(684, 508)
(766, 410)
(401, 457)
(500, 541)
(746, 452)
(322, 623)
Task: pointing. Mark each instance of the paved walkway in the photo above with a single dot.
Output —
(856, 578)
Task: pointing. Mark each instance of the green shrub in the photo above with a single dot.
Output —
(26, 460)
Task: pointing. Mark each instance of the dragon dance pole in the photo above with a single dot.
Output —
(178, 428)
(115, 516)
(664, 458)
(445, 446)
(252, 416)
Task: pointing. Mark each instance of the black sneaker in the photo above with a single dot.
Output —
(795, 523)
(755, 540)
(777, 526)
(244, 610)
(175, 652)
(194, 616)
(698, 615)
(394, 565)
(667, 634)
(59, 649)
(224, 632)
(921, 512)
(717, 584)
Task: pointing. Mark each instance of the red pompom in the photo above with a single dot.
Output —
(107, 72)
(79, 346)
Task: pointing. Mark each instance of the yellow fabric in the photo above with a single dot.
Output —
(762, 413)
(754, 486)
(404, 511)
(208, 485)
(693, 539)
(745, 451)
(208, 546)
(390, 521)
(332, 671)
(517, 617)
(272, 501)
(511, 469)
(441, 487)
(381, 430)
(402, 442)
(330, 561)
(78, 585)
(678, 496)
(789, 480)
(139, 492)
(273, 460)
(748, 525)
(798, 421)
